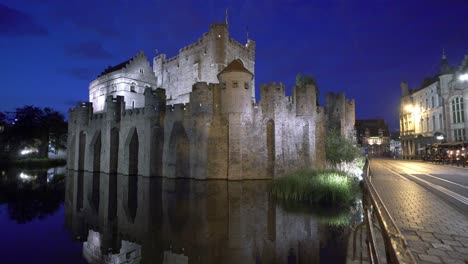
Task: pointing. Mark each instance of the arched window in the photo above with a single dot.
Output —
(458, 111)
(133, 88)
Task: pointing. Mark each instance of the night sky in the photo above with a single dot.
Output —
(51, 50)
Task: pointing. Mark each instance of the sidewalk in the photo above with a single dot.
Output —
(434, 230)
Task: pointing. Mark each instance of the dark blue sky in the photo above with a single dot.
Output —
(51, 50)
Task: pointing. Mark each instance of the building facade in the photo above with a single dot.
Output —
(135, 124)
(436, 111)
(373, 136)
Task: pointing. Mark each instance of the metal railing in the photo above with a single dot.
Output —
(396, 248)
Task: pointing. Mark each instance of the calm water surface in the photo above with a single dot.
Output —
(59, 216)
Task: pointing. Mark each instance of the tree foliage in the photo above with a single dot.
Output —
(304, 80)
(36, 127)
(339, 149)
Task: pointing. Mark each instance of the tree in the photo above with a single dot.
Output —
(339, 149)
(304, 80)
(36, 127)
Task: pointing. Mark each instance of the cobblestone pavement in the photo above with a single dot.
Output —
(436, 232)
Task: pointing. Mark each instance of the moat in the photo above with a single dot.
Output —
(60, 216)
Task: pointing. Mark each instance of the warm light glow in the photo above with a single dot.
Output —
(26, 177)
(375, 140)
(409, 108)
(464, 77)
(27, 151)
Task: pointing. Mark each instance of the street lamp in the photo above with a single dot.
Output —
(409, 108)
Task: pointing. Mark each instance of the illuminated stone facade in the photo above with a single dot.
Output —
(218, 132)
(436, 112)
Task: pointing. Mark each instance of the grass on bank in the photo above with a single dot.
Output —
(329, 187)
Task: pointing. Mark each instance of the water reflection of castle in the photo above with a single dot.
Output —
(154, 220)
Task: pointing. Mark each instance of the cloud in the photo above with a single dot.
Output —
(81, 73)
(88, 50)
(16, 23)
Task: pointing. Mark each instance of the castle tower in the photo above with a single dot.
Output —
(236, 106)
(236, 88)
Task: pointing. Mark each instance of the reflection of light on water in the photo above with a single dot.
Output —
(50, 177)
(26, 177)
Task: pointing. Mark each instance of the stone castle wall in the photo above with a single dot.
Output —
(203, 139)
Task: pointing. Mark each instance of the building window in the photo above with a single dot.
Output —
(441, 122)
(133, 88)
(427, 124)
(433, 123)
(246, 85)
(432, 102)
(133, 104)
(458, 115)
(223, 85)
(141, 70)
(235, 84)
(459, 134)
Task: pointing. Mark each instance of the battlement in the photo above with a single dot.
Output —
(272, 88)
(216, 25)
(240, 45)
(196, 44)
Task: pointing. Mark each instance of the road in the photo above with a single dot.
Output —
(429, 204)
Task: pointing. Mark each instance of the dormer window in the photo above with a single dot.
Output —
(246, 85)
(141, 70)
(235, 84)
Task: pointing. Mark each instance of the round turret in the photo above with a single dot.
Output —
(236, 84)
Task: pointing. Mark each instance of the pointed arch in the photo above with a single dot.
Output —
(179, 146)
(132, 150)
(95, 147)
(81, 150)
(114, 150)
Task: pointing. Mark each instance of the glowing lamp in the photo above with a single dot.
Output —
(440, 137)
(409, 108)
(464, 77)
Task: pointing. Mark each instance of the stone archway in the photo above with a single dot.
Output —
(114, 150)
(133, 153)
(96, 148)
(81, 150)
(179, 145)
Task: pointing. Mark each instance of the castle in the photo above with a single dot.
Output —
(195, 116)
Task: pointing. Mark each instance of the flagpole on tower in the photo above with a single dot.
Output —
(226, 16)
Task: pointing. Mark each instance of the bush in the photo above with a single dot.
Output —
(338, 149)
(328, 187)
